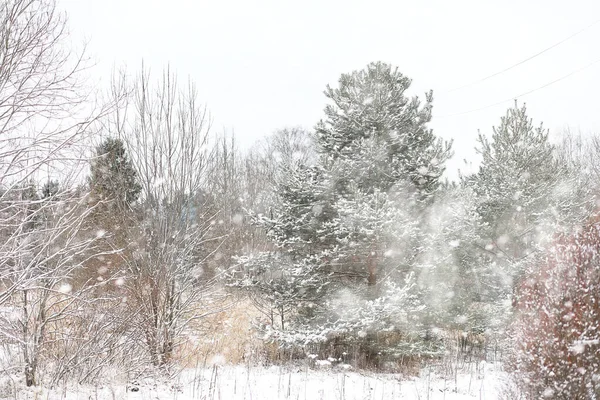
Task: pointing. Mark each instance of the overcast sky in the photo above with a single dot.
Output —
(263, 65)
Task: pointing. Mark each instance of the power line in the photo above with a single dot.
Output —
(525, 60)
(525, 93)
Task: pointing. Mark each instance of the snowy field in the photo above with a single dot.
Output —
(227, 382)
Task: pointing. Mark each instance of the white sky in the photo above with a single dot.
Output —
(262, 65)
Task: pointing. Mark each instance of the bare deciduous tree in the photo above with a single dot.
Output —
(47, 246)
(40, 96)
(268, 159)
(45, 115)
(167, 135)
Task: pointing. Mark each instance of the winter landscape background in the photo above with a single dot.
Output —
(145, 254)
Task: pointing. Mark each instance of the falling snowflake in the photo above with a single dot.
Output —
(65, 288)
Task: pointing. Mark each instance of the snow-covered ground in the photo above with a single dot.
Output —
(237, 382)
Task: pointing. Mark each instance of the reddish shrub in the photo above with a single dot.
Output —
(556, 327)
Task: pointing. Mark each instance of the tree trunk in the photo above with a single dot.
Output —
(372, 268)
(30, 370)
(30, 363)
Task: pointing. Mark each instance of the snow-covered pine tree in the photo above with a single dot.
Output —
(452, 279)
(289, 281)
(355, 217)
(515, 186)
(374, 143)
(382, 170)
(372, 104)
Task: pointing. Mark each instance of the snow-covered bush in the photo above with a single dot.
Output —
(557, 326)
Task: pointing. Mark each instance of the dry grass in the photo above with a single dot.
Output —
(224, 337)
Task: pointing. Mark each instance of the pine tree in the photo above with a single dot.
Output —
(452, 280)
(354, 218)
(370, 108)
(50, 189)
(516, 189)
(383, 166)
(290, 280)
(114, 187)
(525, 196)
(113, 177)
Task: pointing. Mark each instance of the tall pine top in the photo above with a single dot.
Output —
(370, 116)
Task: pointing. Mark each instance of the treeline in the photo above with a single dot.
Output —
(126, 226)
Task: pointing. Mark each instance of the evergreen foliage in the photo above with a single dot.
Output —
(348, 227)
(113, 177)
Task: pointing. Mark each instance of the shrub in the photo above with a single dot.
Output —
(556, 330)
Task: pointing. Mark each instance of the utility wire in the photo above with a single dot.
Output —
(525, 60)
(525, 93)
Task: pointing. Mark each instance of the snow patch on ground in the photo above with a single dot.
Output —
(239, 382)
